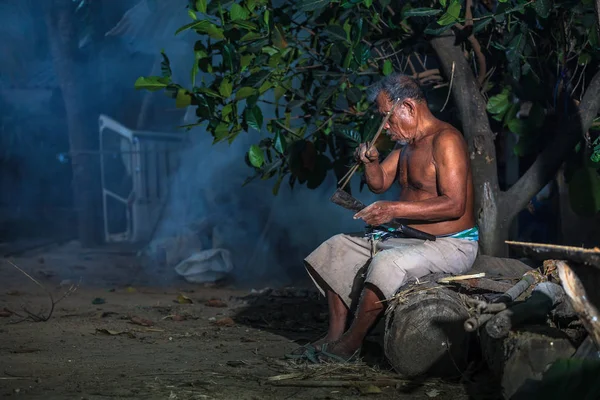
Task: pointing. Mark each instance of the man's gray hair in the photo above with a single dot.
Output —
(396, 86)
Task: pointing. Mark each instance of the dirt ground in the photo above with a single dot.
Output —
(119, 337)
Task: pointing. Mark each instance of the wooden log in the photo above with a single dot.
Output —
(424, 333)
(536, 308)
(523, 356)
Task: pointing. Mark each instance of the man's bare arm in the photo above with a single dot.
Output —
(452, 167)
(380, 176)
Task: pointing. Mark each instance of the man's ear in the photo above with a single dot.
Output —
(410, 106)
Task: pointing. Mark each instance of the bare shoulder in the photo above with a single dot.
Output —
(449, 138)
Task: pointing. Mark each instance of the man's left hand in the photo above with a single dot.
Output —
(377, 213)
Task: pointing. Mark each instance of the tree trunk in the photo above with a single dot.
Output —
(495, 210)
(489, 211)
(63, 45)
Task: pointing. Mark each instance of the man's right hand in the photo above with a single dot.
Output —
(366, 155)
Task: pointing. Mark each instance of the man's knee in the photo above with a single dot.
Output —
(390, 270)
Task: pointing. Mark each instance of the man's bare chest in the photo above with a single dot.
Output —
(416, 169)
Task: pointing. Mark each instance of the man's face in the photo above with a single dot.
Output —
(402, 124)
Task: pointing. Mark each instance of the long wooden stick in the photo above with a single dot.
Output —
(346, 178)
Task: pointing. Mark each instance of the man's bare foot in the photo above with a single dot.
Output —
(338, 351)
(316, 345)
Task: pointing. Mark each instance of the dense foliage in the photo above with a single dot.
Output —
(297, 71)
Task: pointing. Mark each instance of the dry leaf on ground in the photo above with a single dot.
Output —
(215, 303)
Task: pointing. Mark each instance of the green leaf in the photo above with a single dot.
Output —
(388, 68)
(352, 135)
(264, 87)
(335, 31)
(165, 66)
(311, 5)
(201, 6)
(368, 3)
(517, 126)
(256, 156)
(358, 31)
(238, 12)
(229, 54)
(584, 58)
(183, 99)
(443, 3)
(227, 109)
(280, 143)
(209, 92)
(225, 88)
(435, 30)
(499, 103)
(270, 50)
(221, 132)
(480, 25)
(244, 92)
(254, 117)
(256, 79)
(325, 95)
(205, 27)
(279, 91)
(362, 54)
(452, 13)
(354, 95)
(251, 26)
(420, 12)
(543, 7)
(294, 104)
(246, 60)
(151, 83)
(348, 59)
(197, 56)
(319, 173)
(192, 15)
(250, 36)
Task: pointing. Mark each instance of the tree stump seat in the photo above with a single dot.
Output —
(424, 324)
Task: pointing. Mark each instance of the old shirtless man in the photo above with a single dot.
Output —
(432, 166)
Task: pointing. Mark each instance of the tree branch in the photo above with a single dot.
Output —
(481, 63)
(548, 162)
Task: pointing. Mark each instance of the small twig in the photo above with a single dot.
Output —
(461, 277)
(36, 317)
(346, 178)
(420, 61)
(450, 88)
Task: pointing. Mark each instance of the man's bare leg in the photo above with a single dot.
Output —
(338, 315)
(369, 309)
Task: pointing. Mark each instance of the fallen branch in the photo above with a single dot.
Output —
(543, 251)
(583, 307)
(40, 317)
